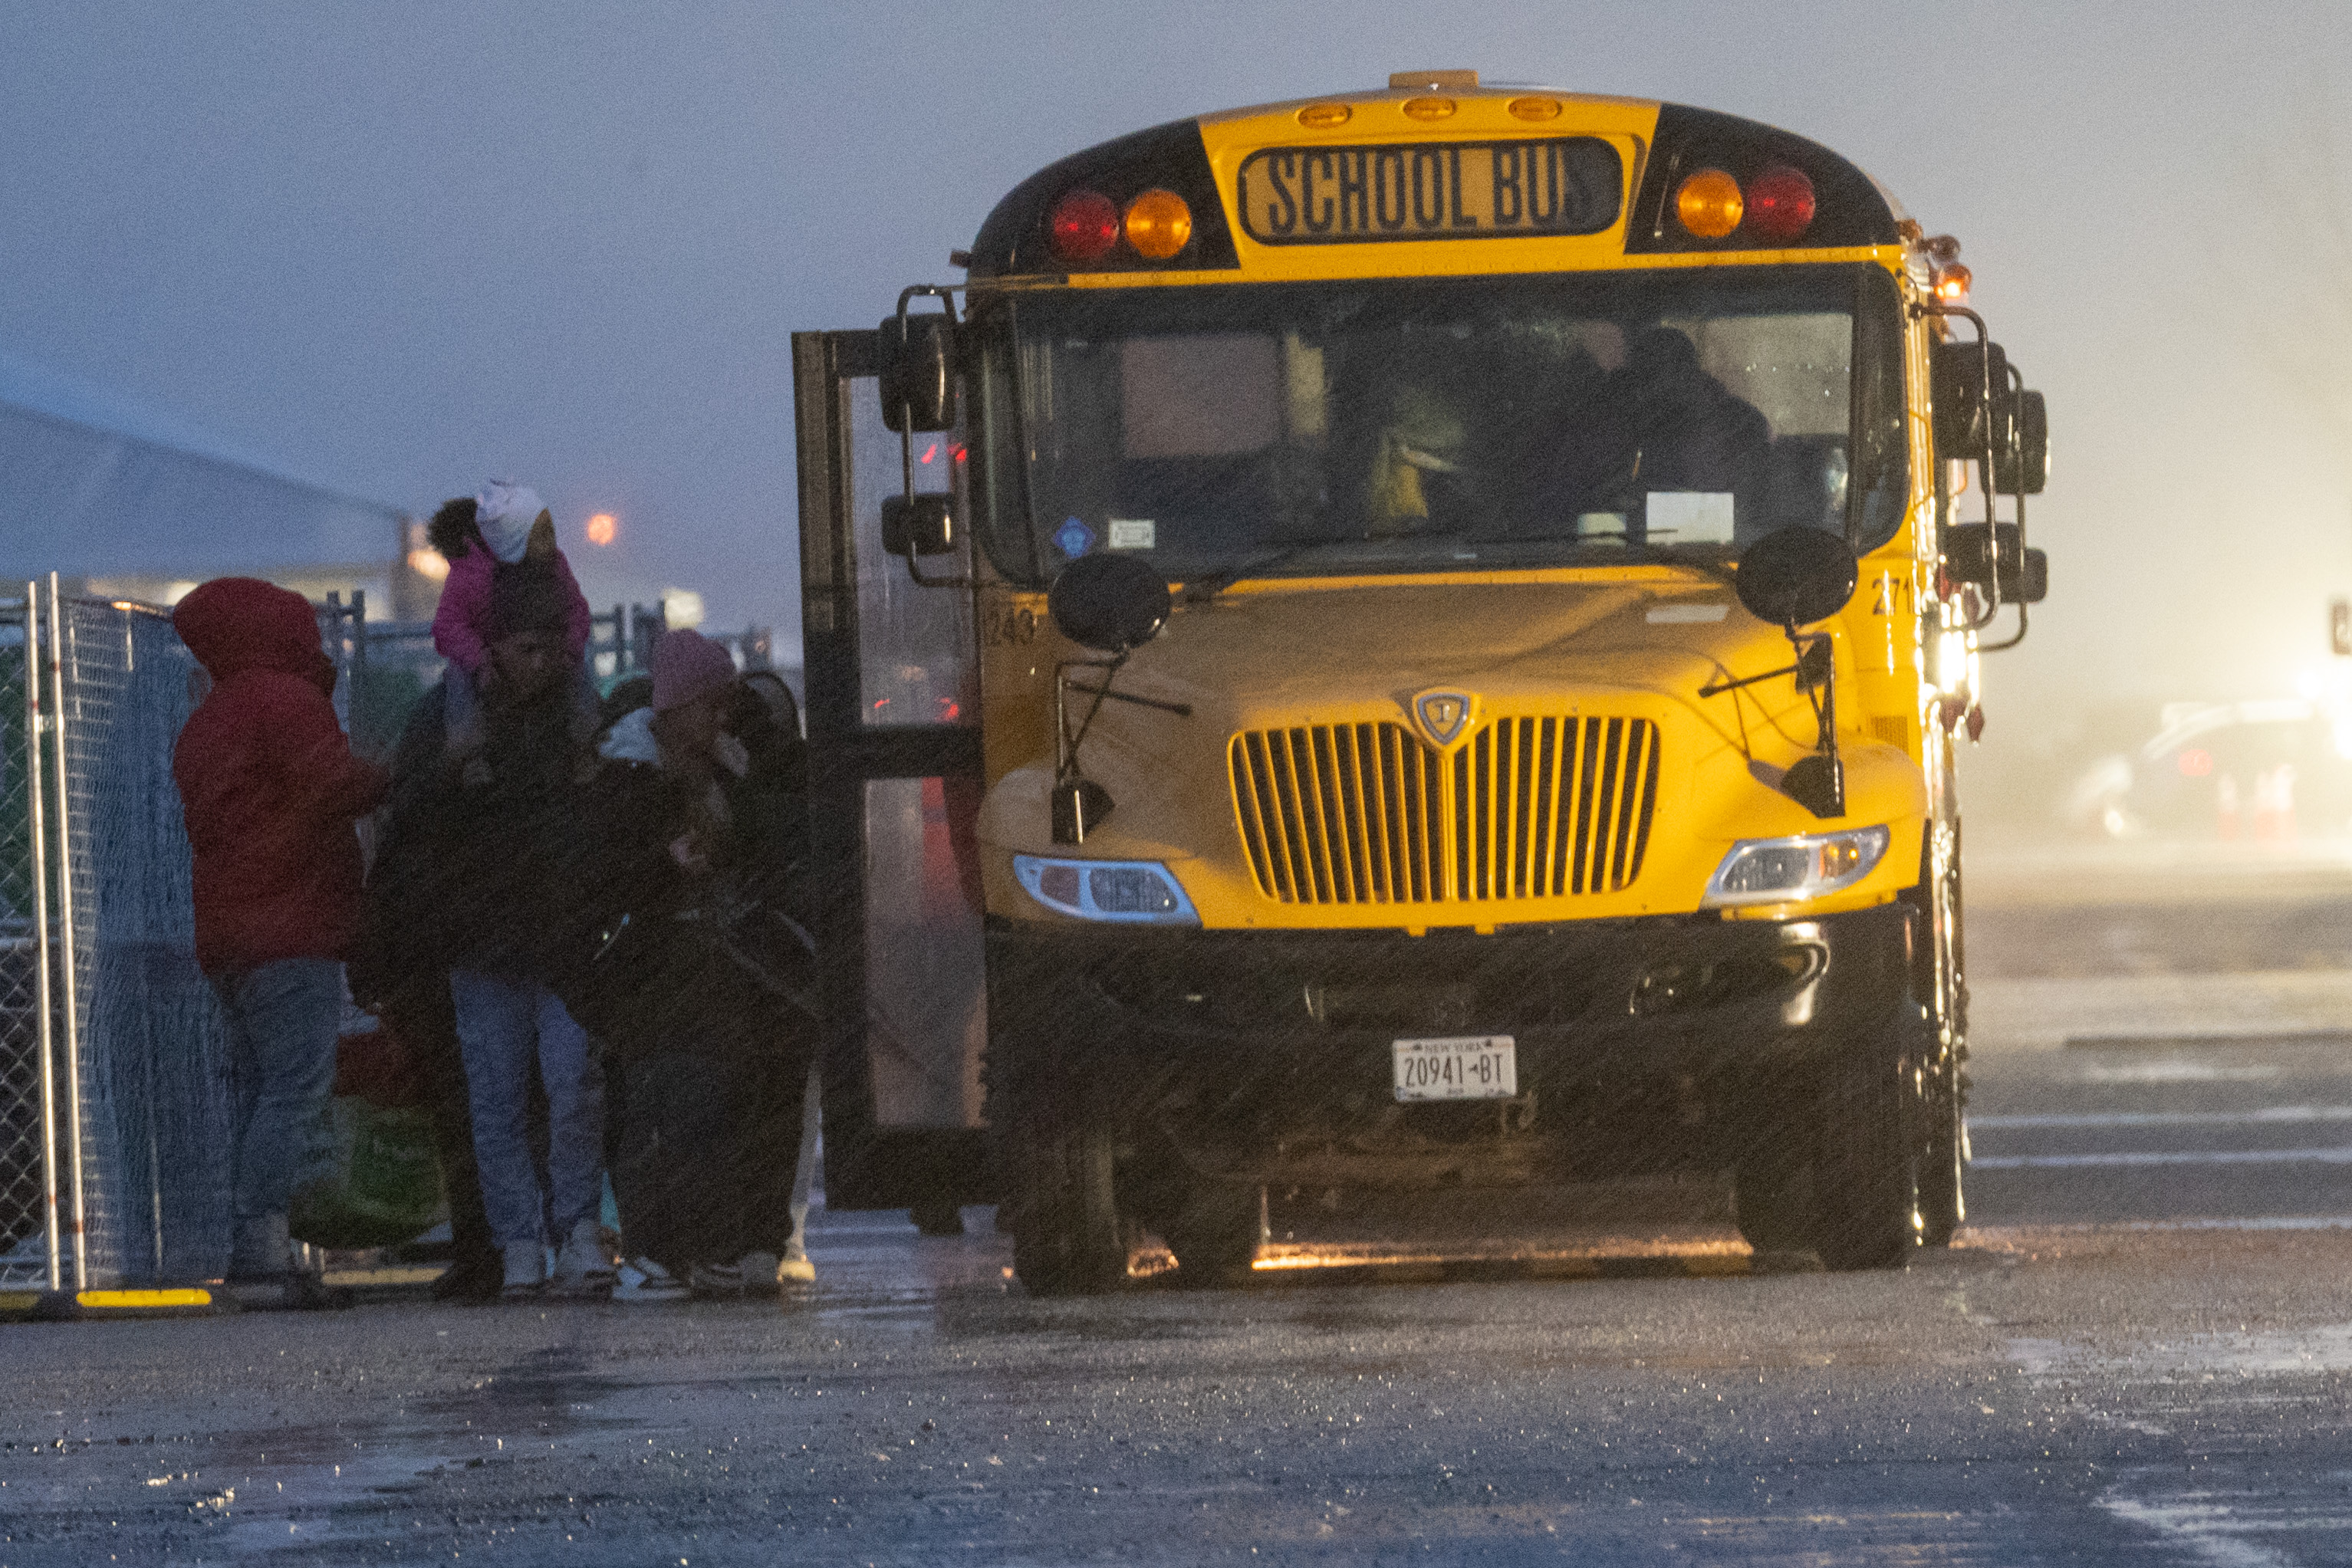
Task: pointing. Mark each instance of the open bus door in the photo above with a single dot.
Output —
(895, 779)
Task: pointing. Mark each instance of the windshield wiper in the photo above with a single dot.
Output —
(1203, 589)
(1644, 553)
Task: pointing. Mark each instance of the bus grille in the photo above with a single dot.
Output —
(1365, 813)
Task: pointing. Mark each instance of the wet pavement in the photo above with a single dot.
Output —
(2141, 1351)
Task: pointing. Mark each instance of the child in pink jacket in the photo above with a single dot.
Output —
(505, 525)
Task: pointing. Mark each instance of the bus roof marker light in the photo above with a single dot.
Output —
(1780, 202)
(1324, 116)
(1539, 108)
(1429, 107)
(1709, 204)
(1159, 224)
(1083, 225)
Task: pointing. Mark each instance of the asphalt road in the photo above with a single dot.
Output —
(2141, 1351)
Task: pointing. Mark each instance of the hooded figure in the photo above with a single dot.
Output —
(700, 986)
(270, 791)
(268, 782)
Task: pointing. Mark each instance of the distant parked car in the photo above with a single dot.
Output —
(2273, 768)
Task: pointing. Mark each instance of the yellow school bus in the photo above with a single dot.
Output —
(1408, 643)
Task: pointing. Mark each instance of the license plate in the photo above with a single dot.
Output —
(1464, 1067)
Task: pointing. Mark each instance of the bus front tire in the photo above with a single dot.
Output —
(1069, 1238)
(1865, 1169)
(1214, 1234)
(1836, 1171)
(1943, 1158)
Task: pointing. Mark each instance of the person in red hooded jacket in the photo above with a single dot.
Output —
(271, 790)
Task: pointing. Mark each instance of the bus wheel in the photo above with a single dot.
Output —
(1214, 1234)
(1865, 1169)
(1771, 1191)
(1943, 1157)
(1069, 1236)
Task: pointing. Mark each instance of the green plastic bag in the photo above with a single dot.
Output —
(386, 1184)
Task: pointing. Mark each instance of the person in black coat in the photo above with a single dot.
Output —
(697, 979)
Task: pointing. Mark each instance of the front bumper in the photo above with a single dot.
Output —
(1643, 1046)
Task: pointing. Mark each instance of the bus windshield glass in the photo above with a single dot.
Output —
(1449, 425)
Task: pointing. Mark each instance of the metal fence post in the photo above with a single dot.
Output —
(44, 1030)
(72, 1011)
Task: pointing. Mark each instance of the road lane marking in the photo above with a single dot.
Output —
(2294, 1039)
(2339, 1156)
(2269, 1113)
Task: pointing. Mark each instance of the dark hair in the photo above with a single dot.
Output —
(525, 597)
(451, 531)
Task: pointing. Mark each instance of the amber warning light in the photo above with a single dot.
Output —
(1086, 225)
(603, 529)
(1778, 205)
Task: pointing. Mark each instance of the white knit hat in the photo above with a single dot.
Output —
(505, 511)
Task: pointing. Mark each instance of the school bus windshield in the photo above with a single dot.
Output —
(1453, 425)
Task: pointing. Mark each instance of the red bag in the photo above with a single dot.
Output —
(378, 1067)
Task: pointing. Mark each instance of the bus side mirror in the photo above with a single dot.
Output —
(1971, 554)
(2032, 585)
(918, 525)
(919, 384)
(2022, 463)
(1795, 575)
(1108, 602)
(1957, 380)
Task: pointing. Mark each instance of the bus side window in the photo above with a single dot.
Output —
(1880, 487)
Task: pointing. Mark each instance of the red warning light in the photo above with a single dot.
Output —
(1780, 202)
(1085, 225)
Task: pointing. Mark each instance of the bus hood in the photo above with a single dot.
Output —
(1280, 655)
(1293, 714)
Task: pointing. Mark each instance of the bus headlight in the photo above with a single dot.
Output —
(1136, 892)
(1779, 870)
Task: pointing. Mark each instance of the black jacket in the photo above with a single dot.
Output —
(474, 866)
(708, 960)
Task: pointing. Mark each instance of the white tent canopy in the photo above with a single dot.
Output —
(94, 487)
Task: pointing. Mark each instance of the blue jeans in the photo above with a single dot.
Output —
(503, 1026)
(283, 1021)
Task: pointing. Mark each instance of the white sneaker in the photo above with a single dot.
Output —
(526, 1271)
(641, 1280)
(584, 1269)
(794, 1268)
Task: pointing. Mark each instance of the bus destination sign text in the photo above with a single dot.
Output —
(1444, 190)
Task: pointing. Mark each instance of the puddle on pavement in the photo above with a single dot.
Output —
(306, 1485)
(2325, 1348)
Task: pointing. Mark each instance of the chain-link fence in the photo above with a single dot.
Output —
(113, 1085)
(114, 1094)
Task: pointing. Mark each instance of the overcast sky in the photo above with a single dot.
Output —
(400, 247)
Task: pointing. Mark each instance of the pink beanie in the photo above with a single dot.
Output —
(686, 665)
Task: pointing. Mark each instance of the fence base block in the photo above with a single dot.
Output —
(53, 1306)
